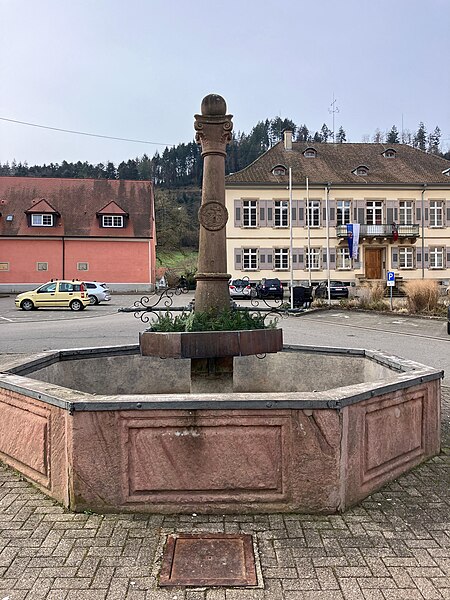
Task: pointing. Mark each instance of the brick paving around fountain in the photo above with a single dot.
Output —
(394, 545)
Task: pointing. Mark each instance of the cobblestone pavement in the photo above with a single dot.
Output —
(394, 545)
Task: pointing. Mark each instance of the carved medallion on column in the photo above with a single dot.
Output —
(213, 216)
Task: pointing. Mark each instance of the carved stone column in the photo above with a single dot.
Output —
(213, 132)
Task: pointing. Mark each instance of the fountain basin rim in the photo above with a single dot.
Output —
(14, 378)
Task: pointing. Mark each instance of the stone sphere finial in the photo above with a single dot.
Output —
(213, 105)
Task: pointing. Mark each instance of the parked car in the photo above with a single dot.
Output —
(97, 292)
(58, 293)
(240, 288)
(337, 290)
(270, 288)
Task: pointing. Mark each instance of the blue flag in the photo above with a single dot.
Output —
(350, 238)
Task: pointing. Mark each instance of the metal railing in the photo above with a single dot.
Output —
(382, 230)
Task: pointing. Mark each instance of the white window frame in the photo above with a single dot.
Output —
(315, 254)
(436, 257)
(313, 214)
(112, 221)
(374, 212)
(250, 213)
(343, 212)
(406, 212)
(436, 213)
(343, 259)
(281, 213)
(281, 259)
(406, 257)
(41, 220)
(250, 258)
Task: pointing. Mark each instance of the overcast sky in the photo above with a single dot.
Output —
(140, 68)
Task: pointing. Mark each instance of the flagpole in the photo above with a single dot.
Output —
(309, 232)
(291, 248)
(327, 191)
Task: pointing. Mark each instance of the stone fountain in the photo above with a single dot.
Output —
(199, 422)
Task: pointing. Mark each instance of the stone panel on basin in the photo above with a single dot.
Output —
(395, 445)
(24, 436)
(211, 458)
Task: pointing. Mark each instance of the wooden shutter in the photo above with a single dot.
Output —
(262, 204)
(426, 258)
(269, 215)
(332, 212)
(301, 213)
(418, 214)
(294, 213)
(361, 217)
(448, 257)
(324, 216)
(427, 216)
(238, 265)
(264, 254)
(238, 213)
(324, 259)
(332, 260)
(448, 215)
(396, 207)
(389, 212)
(419, 258)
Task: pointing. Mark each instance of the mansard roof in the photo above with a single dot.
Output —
(336, 163)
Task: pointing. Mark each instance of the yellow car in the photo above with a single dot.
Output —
(57, 293)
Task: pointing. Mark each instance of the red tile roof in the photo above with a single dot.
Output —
(77, 201)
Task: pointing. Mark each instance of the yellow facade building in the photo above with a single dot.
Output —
(289, 213)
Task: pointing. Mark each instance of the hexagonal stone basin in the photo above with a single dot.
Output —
(307, 429)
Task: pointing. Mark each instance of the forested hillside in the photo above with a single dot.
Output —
(177, 172)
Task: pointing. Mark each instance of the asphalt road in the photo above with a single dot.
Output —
(423, 340)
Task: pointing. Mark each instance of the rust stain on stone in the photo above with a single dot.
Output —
(208, 559)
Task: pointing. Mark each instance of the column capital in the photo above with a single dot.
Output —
(213, 133)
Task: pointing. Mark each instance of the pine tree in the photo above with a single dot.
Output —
(434, 140)
(340, 136)
(392, 137)
(303, 134)
(420, 138)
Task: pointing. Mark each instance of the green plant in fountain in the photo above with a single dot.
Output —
(226, 320)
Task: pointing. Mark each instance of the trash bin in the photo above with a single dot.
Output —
(302, 296)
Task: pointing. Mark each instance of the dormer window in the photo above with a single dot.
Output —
(279, 170)
(112, 216)
(362, 171)
(389, 153)
(112, 221)
(310, 153)
(42, 214)
(446, 172)
(43, 220)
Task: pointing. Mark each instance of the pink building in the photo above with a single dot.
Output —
(91, 229)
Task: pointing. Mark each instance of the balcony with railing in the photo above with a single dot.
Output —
(382, 230)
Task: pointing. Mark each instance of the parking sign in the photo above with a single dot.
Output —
(390, 279)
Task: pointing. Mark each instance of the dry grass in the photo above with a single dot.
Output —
(370, 296)
(422, 296)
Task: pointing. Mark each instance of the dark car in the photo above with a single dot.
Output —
(337, 290)
(270, 288)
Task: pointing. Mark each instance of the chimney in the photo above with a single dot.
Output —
(287, 139)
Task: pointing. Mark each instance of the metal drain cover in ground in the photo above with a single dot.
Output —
(208, 559)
